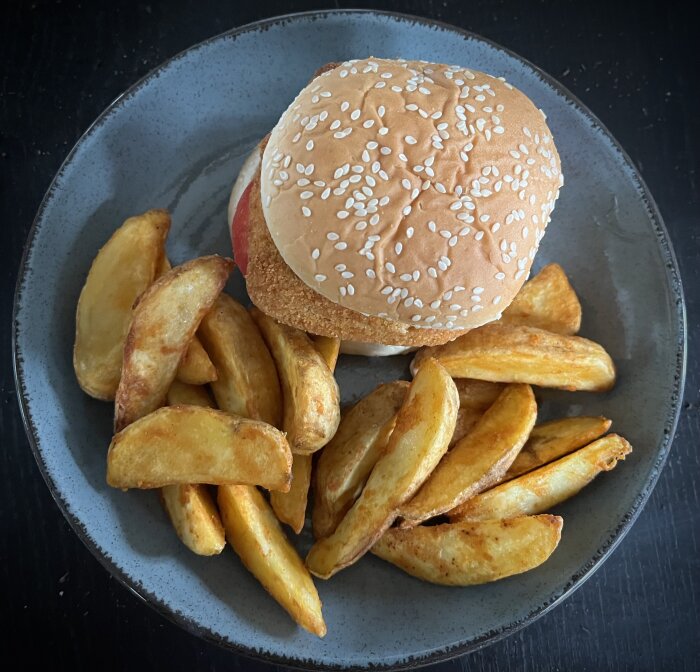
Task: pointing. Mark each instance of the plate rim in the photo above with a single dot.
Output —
(672, 271)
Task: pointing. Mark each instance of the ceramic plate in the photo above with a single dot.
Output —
(176, 140)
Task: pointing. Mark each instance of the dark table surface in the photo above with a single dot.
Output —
(633, 64)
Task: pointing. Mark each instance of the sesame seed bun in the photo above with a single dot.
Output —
(411, 195)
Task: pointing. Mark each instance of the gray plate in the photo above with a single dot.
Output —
(176, 140)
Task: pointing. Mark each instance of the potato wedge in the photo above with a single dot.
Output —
(195, 367)
(547, 301)
(191, 444)
(346, 462)
(475, 398)
(469, 553)
(123, 268)
(190, 506)
(194, 516)
(479, 460)
(543, 488)
(551, 440)
(248, 384)
(310, 396)
(163, 323)
(189, 395)
(257, 538)
(329, 347)
(510, 354)
(290, 507)
(423, 429)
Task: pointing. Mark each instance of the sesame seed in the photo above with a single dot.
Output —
(374, 238)
(447, 296)
(343, 291)
(415, 318)
(398, 248)
(342, 214)
(478, 235)
(442, 265)
(387, 290)
(406, 277)
(316, 253)
(370, 273)
(340, 267)
(415, 275)
(306, 194)
(368, 124)
(305, 211)
(332, 236)
(410, 140)
(432, 226)
(432, 272)
(409, 231)
(340, 246)
(495, 226)
(347, 275)
(355, 115)
(335, 124)
(351, 289)
(383, 131)
(453, 241)
(319, 277)
(390, 267)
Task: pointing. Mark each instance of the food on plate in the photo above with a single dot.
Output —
(310, 395)
(548, 302)
(517, 354)
(551, 440)
(192, 444)
(543, 488)
(194, 516)
(346, 462)
(396, 206)
(123, 268)
(424, 426)
(475, 398)
(395, 203)
(479, 460)
(247, 382)
(290, 507)
(329, 347)
(468, 553)
(162, 326)
(195, 366)
(257, 538)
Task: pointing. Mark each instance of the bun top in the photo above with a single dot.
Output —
(411, 191)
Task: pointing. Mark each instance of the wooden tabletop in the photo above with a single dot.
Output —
(635, 66)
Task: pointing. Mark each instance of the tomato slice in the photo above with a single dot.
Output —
(240, 230)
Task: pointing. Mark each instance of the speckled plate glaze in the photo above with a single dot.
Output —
(176, 140)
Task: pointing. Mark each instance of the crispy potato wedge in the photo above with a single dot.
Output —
(290, 507)
(190, 506)
(329, 347)
(195, 367)
(551, 440)
(257, 538)
(247, 384)
(191, 444)
(194, 516)
(310, 396)
(469, 553)
(123, 268)
(346, 462)
(516, 354)
(475, 398)
(547, 301)
(189, 395)
(543, 488)
(423, 429)
(479, 460)
(163, 324)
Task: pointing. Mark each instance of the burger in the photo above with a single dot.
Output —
(395, 204)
